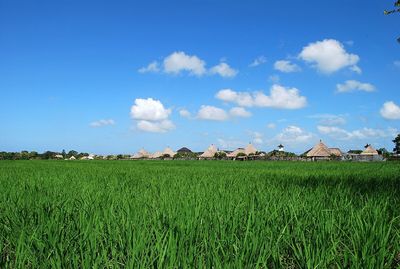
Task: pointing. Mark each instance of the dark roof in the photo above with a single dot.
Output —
(184, 150)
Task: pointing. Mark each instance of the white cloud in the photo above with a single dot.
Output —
(101, 123)
(212, 113)
(364, 133)
(293, 135)
(229, 143)
(271, 125)
(224, 70)
(280, 97)
(354, 85)
(328, 56)
(240, 98)
(149, 109)
(257, 138)
(150, 68)
(177, 62)
(390, 111)
(185, 113)
(396, 63)
(258, 61)
(329, 119)
(155, 126)
(239, 112)
(286, 66)
(356, 68)
(151, 116)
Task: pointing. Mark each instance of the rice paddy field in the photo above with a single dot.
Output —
(199, 214)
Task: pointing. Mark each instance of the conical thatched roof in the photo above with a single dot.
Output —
(168, 151)
(336, 151)
(141, 154)
(319, 150)
(234, 153)
(210, 152)
(250, 149)
(157, 154)
(369, 150)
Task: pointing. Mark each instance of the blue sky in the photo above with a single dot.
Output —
(114, 76)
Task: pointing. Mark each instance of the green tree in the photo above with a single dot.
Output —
(72, 153)
(220, 155)
(396, 9)
(396, 142)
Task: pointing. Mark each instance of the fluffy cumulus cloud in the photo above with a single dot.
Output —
(155, 126)
(294, 135)
(329, 56)
(212, 113)
(150, 68)
(224, 70)
(354, 85)
(364, 133)
(151, 116)
(231, 96)
(219, 114)
(101, 123)
(239, 112)
(390, 111)
(180, 61)
(258, 61)
(329, 119)
(280, 97)
(286, 66)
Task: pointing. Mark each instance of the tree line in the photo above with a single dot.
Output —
(33, 155)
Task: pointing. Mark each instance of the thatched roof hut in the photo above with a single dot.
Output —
(369, 150)
(184, 150)
(141, 154)
(320, 150)
(234, 153)
(250, 149)
(168, 151)
(336, 151)
(156, 155)
(210, 152)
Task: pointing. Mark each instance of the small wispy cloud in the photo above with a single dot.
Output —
(101, 123)
(354, 85)
(258, 61)
(150, 68)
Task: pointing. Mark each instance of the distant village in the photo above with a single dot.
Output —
(320, 152)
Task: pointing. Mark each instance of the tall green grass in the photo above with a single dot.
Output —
(204, 214)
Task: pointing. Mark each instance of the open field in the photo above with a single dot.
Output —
(66, 214)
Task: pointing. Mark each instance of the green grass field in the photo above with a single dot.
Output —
(199, 214)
